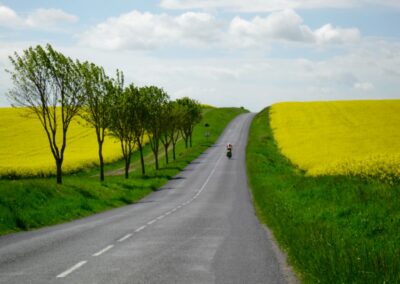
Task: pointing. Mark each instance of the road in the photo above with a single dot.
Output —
(199, 228)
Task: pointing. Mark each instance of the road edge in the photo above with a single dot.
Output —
(281, 256)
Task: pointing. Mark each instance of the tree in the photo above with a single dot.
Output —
(140, 113)
(173, 117)
(49, 85)
(167, 127)
(176, 119)
(97, 89)
(156, 98)
(191, 116)
(122, 118)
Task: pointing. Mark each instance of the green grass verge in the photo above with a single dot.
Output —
(335, 229)
(36, 202)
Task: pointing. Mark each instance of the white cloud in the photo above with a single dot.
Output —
(44, 19)
(136, 30)
(254, 5)
(288, 25)
(328, 34)
(8, 18)
(48, 18)
(271, 5)
(199, 27)
(285, 25)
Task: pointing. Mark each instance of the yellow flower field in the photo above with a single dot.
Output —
(340, 137)
(25, 150)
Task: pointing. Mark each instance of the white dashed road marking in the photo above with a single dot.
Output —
(73, 268)
(103, 250)
(139, 229)
(125, 238)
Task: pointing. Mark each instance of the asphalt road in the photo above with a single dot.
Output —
(199, 228)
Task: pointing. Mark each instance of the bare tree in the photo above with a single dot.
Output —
(49, 85)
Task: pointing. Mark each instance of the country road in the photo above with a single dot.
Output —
(199, 228)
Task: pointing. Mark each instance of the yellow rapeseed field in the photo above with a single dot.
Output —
(340, 137)
(25, 150)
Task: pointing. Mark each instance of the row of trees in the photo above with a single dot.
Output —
(57, 89)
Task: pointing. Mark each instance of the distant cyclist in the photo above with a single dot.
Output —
(229, 148)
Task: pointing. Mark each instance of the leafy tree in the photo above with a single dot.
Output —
(49, 85)
(97, 89)
(173, 118)
(190, 117)
(140, 114)
(167, 127)
(176, 120)
(156, 99)
(122, 118)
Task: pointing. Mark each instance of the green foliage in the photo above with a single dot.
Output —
(335, 229)
(32, 203)
(169, 130)
(48, 84)
(28, 204)
(191, 115)
(156, 100)
(141, 115)
(123, 118)
(97, 90)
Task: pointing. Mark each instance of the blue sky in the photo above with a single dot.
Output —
(227, 53)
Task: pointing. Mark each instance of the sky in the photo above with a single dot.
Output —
(250, 53)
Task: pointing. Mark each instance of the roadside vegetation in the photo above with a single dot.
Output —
(28, 203)
(56, 89)
(335, 229)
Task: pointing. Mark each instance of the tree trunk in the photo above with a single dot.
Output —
(141, 158)
(166, 153)
(59, 170)
(127, 164)
(186, 141)
(190, 139)
(154, 148)
(156, 158)
(173, 151)
(101, 161)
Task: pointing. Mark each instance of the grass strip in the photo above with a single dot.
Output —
(335, 229)
(28, 203)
